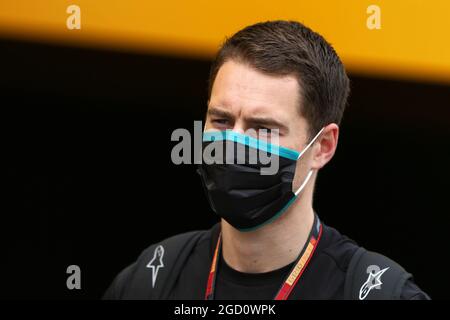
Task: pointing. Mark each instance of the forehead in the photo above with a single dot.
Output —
(243, 89)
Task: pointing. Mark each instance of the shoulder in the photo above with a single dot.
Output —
(144, 278)
(367, 274)
(334, 252)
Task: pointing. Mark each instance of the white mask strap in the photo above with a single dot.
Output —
(304, 182)
(309, 144)
(308, 176)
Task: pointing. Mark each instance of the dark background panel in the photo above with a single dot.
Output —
(88, 180)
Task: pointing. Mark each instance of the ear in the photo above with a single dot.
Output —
(325, 146)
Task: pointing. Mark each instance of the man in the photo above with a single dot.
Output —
(278, 77)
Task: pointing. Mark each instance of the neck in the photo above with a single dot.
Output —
(272, 246)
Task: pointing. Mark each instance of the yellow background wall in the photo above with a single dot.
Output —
(413, 42)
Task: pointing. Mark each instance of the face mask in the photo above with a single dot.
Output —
(238, 192)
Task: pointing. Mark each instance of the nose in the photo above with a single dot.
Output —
(238, 127)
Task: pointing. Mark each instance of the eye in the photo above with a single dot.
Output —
(263, 131)
(269, 135)
(220, 121)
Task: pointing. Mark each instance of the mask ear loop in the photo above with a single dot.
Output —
(309, 144)
(310, 171)
(304, 182)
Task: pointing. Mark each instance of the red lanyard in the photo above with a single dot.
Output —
(294, 275)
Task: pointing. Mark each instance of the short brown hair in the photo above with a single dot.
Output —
(288, 47)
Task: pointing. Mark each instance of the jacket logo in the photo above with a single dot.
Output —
(156, 263)
(373, 281)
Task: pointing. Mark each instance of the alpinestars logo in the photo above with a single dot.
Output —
(156, 263)
(373, 281)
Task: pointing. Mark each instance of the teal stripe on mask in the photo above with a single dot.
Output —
(251, 142)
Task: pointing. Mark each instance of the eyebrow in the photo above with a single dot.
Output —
(214, 111)
(254, 120)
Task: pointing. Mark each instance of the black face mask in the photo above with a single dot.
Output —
(239, 192)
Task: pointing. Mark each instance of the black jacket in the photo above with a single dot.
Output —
(178, 268)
